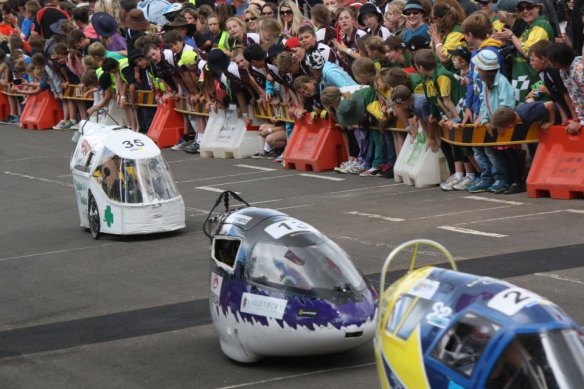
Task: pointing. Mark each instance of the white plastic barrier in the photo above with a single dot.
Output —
(418, 166)
(226, 136)
(115, 115)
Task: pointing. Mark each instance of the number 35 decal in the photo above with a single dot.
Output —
(132, 143)
(512, 300)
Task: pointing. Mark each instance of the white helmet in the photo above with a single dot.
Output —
(314, 60)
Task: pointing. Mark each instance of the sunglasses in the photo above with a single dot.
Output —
(412, 13)
(250, 19)
(269, 13)
(527, 7)
(288, 12)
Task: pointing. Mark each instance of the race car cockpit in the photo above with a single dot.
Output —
(545, 360)
(308, 263)
(134, 181)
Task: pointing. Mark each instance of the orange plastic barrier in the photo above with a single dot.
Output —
(41, 112)
(4, 107)
(315, 146)
(557, 171)
(167, 125)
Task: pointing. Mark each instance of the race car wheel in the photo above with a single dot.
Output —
(93, 216)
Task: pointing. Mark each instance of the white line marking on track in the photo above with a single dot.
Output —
(39, 179)
(574, 210)
(374, 216)
(265, 169)
(559, 277)
(40, 157)
(493, 200)
(212, 189)
(295, 206)
(57, 251)
(256, 179)
(471, 232)
(461, 212)
(65, 175)
(197, 209)
(283, 378)
(215, 178)
(321, 177)
(269, 201)
(511, 217)
(367, 187)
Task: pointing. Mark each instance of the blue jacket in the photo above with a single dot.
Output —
(474, 87)
(334, 75)
(501, 95)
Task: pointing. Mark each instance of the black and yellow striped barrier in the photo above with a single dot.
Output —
(144, 98)
(480, 136)
(77, 92)
(184, 105)
(270, 111)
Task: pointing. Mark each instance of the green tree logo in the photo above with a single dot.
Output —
(109, 216)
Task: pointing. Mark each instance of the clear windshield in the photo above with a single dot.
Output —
(156, 180)
(134, 181)
(547, 360)
(317, 267)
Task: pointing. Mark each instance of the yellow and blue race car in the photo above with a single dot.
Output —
(440, 328)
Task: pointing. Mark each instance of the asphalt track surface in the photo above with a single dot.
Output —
(133, 312)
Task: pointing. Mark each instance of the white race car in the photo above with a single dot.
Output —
(122, 184)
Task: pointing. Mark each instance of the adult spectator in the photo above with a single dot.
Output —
(416, 15)
(538, 28)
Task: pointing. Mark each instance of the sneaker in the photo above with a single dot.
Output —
(279, 158)
(15, 120)
(448, 185)
(8, 120)
(387, 171)
(372, 172)
(480, 186)
(62, 125)
(265, 155)
(462, 184)
(515, 188)
(342, 166)
(74, 125)
(182, 144)
(192, 148)
(354, 167)
(498, 187)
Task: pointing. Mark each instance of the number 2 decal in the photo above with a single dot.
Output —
(133, 143)
(512, 300)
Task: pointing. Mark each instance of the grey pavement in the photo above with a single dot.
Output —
(132, 312)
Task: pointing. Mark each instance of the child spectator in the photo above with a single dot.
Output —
(497, 92)
(371, 17)
(374, 48)
(106, 78)
(81, 19)
(552, 86)
(59, 60)
(31, 8)
(571, 68)
(325, 72)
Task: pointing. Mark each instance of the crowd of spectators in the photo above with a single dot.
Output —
(371, 67)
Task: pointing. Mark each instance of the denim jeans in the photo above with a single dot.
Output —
(491, 164)
(484, 163)
(498, 165)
